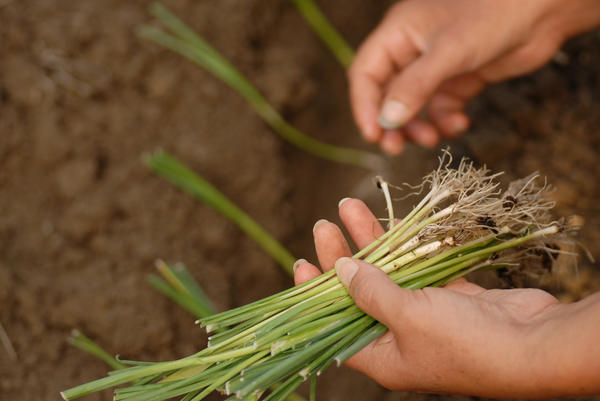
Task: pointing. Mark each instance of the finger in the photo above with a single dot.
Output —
(373, 291)
(361, 223)
(385, 51)
(392, 142)
(422, 132)
(463, 286)
(442, 111)
(446, 107)
(330, 244)
(464, 86)
(409, 91)
(304, 271)
(365, 97)
(452, 125)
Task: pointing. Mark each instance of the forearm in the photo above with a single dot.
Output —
(568, 340)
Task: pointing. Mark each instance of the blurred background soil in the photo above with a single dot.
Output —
(82, 219)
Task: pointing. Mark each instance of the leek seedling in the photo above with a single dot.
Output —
(324, 30)
(81, 341)
(188, 43)
(180, 287)
(177, 173)
(463, 223)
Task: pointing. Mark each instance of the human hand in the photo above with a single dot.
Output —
(458, 339)
(438, 54)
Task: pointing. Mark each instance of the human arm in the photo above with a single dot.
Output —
(462, 338)
(436, 55)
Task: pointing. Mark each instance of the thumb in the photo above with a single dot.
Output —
(372, 290)
(409, 91)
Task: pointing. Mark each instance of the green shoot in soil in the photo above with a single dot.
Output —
(174, 171)
(180, 287)
(188, 43)
(323, 28)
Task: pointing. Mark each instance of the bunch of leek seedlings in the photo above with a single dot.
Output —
(463, 223)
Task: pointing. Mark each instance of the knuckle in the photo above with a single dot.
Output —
(542, 296)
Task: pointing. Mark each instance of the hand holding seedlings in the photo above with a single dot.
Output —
(461, 338)
(438, 54)
(462, 223)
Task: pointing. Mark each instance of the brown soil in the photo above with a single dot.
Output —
(82, 219)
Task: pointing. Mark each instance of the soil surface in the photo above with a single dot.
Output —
(82, 220)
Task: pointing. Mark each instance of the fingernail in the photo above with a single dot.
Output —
(345, 269)
(318, 223)
(298, 263)
(393, 114)
(340, 203)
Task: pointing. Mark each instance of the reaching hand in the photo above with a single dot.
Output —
(461, 338)
(439, 54)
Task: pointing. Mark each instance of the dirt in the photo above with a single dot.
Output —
(82, 220)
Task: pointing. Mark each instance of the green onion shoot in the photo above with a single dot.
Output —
(185, 41)
(180, 175)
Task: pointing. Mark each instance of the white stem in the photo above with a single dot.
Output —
(413, 255)
(388, 201)
(410, 225)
